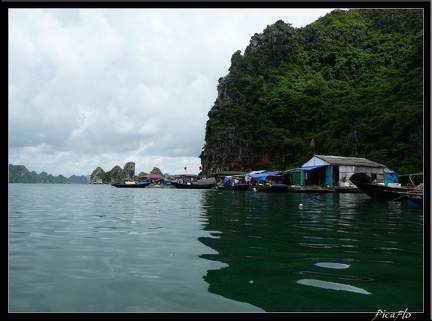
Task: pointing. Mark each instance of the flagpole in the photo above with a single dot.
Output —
(312, 144)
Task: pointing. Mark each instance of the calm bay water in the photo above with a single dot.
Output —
(97, 248)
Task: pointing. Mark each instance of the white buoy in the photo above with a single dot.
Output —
(300, 205)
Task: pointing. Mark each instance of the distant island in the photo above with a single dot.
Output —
(20, 174)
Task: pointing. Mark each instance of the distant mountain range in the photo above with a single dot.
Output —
(20, 174)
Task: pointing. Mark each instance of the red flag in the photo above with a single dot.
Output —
(200, 168)
(264, 160)
(185, 168)
(232, 164)
(312, 143)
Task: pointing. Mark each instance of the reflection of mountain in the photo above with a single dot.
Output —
(324, 257)
(245, 238)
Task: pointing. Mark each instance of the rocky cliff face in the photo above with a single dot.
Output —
(116, 175)
(128, 173)
(97, 176)
(225, 148)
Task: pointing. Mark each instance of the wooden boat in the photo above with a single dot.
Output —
(382, 191)
(193, 185)
(131, 184)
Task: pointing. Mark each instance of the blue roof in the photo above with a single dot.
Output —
(264, 175)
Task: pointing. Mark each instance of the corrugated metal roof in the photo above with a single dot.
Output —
(340, 160)
(308, 168)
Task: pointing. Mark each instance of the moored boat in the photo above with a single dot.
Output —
(391, 192)
(193, 185)
(131, 184)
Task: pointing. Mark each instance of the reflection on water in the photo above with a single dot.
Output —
(97, 248)
(332, 286)
(332, 265)
(348, 247)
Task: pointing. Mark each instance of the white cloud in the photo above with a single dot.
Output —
(101, 87)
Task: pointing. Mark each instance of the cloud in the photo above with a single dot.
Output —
(101, 87)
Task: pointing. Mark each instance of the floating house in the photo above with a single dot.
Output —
(325, 170)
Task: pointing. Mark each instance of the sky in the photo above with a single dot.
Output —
(92, 88)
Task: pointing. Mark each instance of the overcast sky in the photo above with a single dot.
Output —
(95, 88)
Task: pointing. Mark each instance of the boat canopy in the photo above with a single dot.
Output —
(390, 176)
(229, 180)
(295, 175)
(265, 175)
(291, 171)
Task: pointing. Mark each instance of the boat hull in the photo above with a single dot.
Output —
(386, 192)
(137, 185)
(243, 187)
(192, 186)
(280, 188)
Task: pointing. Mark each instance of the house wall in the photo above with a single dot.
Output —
(374, 172)
(315, 161)
(347, 171)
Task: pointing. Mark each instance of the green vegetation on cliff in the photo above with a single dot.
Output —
(352, 80)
